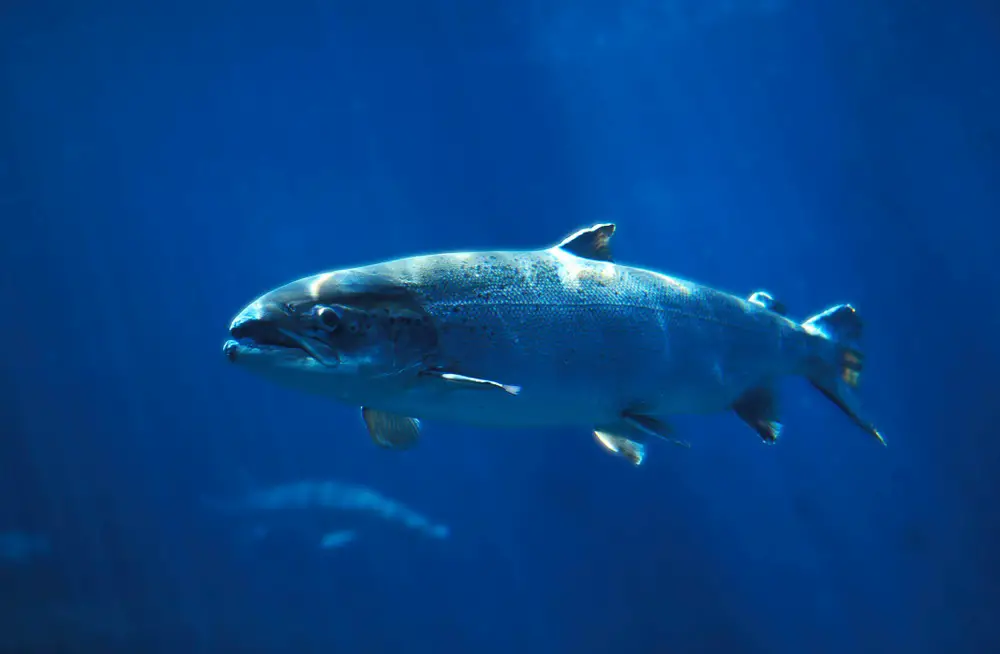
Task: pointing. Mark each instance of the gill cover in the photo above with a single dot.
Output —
(382, 338)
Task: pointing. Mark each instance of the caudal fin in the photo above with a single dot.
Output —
(838, 372)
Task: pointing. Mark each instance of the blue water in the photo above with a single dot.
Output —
(162, 164)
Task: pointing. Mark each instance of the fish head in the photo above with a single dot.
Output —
(344, 332)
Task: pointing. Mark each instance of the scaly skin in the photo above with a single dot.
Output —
(588, 339)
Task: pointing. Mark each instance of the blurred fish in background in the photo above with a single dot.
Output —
(319, 511)
(19, 547)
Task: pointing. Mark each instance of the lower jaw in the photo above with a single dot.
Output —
(251, 351)
(310, 347)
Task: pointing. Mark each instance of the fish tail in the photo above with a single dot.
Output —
(836, 372)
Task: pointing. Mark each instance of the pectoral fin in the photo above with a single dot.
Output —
(389, 430)
(632, 450)
(759, 409)
(463, 381)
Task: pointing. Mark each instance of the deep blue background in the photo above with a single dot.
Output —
(162, 165)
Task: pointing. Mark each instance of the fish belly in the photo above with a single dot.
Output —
(575, 364)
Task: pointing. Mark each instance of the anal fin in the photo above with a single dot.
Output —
(758, 408)
(389, 430)
(464, 381)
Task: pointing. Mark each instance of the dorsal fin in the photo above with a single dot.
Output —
(590, 242)
(764, 299)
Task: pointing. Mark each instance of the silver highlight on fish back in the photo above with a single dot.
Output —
(562, 336)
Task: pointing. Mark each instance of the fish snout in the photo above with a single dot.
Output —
(258, 325)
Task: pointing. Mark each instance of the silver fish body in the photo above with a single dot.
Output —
(585, 339)
(557, 337)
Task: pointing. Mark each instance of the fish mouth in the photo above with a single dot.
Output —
(261, 334)
(264, 336)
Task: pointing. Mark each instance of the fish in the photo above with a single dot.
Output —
(563, 336)
(338, 539)
(299, 505)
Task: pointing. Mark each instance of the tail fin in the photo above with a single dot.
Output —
(839, 371)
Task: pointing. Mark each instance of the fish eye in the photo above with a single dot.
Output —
(328, 318)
